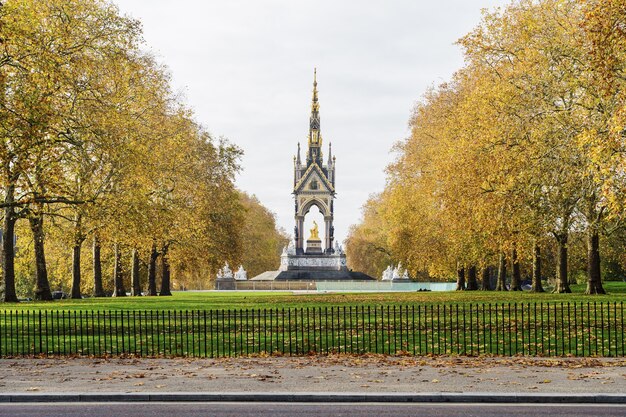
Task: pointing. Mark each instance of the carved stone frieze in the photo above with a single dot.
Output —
(323, 262)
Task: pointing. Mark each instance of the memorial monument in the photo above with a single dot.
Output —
(313, 185)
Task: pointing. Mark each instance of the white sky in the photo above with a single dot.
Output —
(246, 68)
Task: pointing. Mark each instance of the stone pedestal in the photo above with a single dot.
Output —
(225, 284)
(313, 247)
(313, 267)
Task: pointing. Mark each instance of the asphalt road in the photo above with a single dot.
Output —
(304, 410)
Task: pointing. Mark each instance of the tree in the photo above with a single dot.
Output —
(53, 49)
(366, 244)
(460, 279)
(472, 280)
(522, 147)
(536, 277)
(94, 143)
(262, 241)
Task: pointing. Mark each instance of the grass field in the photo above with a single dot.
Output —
(242, 300)
(504, 329)
(218, 324)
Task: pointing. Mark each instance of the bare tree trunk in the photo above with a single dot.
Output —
(460, 279)
(536, 285)
(486, 279)
(562, 285)
(594, 275)
(8, 225)
(118, 279)
(76, 276)
(516, 278)
(501, 282)
(152, 288)
(42, 286)
(98, 290)
(136, 291)
(8, 248)
(472, 282)
(165, 273)
(76, 252)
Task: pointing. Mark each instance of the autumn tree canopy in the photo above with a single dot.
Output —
(95, 146)
(519, 157)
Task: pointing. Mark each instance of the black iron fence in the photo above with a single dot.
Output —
(543, 329)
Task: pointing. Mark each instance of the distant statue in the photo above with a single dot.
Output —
(315, 232)
(241, 274)
(337, 248)
(387, 274)
(396, 273)
(284, 251)
(392, 273)
(291, 249)
(227, 272)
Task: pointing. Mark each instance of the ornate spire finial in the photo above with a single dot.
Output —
(315, 111)
(315, 105)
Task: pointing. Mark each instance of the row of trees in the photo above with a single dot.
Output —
(95, 145)
(515, 159)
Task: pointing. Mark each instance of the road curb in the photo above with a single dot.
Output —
(306, 397)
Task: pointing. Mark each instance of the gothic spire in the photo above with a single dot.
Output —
(314, 153)
(315, 105)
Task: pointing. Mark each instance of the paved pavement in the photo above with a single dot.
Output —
(355, 386)
(364, 374)
(305, 410)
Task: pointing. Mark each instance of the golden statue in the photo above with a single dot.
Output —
(314, 232)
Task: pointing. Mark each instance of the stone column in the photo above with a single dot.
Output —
(300, 239)
(328, 238)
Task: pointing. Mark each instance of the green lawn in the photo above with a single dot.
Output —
(242, 300)
(218, 324)
(504, 329)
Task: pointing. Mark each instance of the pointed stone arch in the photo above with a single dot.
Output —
(317, 201)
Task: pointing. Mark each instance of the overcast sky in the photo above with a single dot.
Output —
(246, 68)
